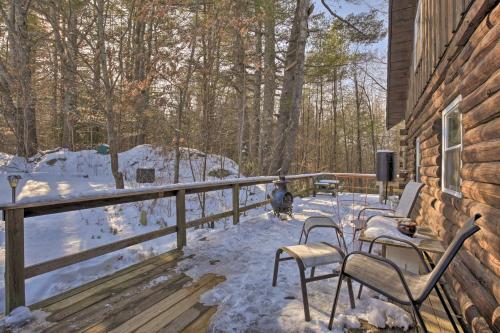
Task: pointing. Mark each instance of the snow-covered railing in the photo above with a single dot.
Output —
(14, 215)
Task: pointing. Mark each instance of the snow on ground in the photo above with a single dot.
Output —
(63, 174)
(244, 254)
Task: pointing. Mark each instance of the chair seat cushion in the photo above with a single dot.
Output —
(383, 278)
(385, 226)
(314, 254)
(362, 223)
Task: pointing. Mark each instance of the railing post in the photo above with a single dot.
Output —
(180, 210)
(236, 203)
(14, 259)
(313, 188)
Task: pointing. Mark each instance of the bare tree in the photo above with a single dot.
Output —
(266, 135)
(18, 96)
(255, 140)
(357, 97)
(109, 84)
(291, 95)
(66, 43)
(240, 76)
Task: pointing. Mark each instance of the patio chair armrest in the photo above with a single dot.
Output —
(384, 260)
(412, 245)
(374, 208)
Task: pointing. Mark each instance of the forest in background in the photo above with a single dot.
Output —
(273, 85)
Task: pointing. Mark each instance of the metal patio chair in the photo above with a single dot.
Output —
(403, 210)
(322, 222)
(385, 277)
(313, 255)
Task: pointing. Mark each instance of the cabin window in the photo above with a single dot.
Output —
(417, 37)
(417, 159)
(452, 147)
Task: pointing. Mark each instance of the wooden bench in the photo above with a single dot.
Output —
(322, 185)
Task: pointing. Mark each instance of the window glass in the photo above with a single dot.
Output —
(454, 130)
(417, 37)
(452, 167)
(452, 148)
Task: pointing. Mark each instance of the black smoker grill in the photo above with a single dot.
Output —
(281, 199)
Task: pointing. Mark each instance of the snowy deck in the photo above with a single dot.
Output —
(222, 282)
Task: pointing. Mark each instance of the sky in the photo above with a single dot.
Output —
(345, 7)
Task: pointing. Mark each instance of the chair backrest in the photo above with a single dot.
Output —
(319, 221)
(469, 229)
(408, 199)
(322, 222)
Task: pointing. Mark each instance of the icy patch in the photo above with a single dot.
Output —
(157, 281)
(18, 317)
(23, 320)
(383, 314)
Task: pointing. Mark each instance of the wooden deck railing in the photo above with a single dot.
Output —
(14, 214)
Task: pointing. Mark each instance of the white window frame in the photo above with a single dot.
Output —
(417, 36)
(417, 159)
(453, 106)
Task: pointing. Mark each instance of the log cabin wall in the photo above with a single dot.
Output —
(460, 56)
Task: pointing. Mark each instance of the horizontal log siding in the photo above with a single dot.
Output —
(469, 65)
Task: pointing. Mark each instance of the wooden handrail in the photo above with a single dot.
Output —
(14, 215)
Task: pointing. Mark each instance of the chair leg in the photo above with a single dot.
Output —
(312, 271)
(301, 234)
(360, 290)
(304, 292)
(338, 239)
(360, 245)
(446, 309)
(345, 245)
(335, 300)
(276, 266)
(351, 293)
(420, 320)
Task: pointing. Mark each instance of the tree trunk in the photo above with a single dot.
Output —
(334, 111)
(108, 93)
(372, 128)
(269, 87)
(140, 86)
(240, 80)
(67, 46)
(18, 97)
(183, 101)
(318, 128)
(344, 129)
(291, 94)
(255, 136)
(358, 124)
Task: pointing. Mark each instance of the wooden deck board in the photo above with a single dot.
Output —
(131, 300)
(114, 293)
